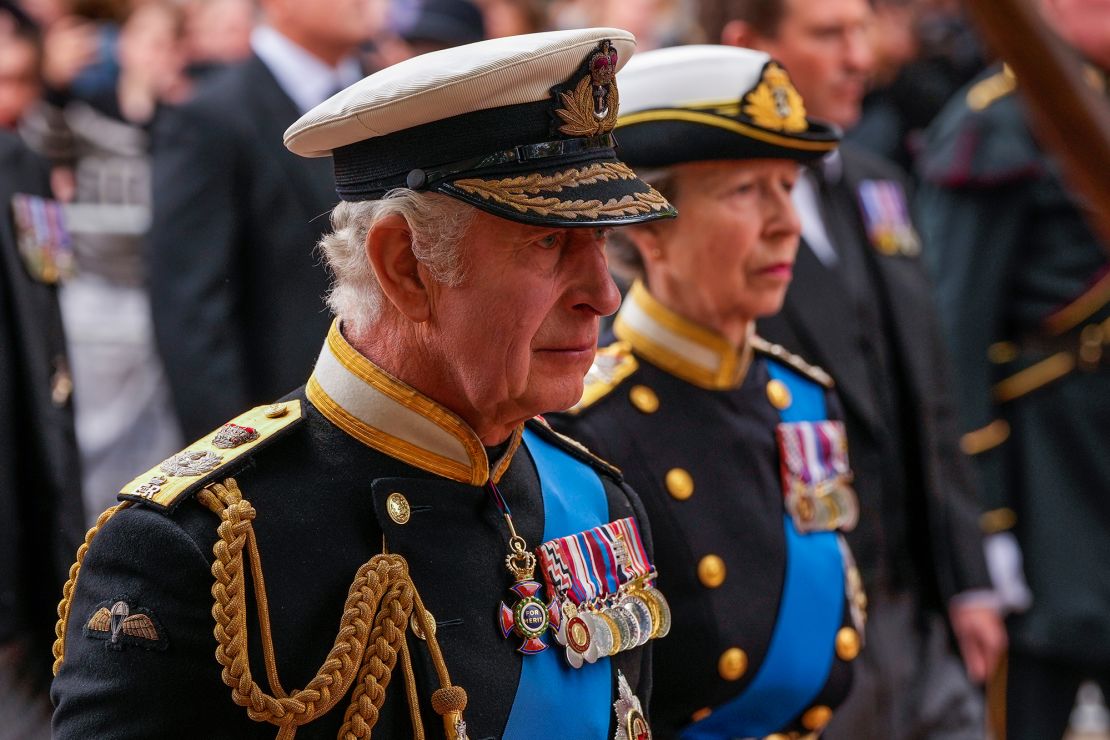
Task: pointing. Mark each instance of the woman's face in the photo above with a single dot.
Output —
(731, 250)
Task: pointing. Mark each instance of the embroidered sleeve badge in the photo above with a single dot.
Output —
(121, 625)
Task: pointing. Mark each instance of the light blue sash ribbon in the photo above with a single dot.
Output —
(553, 699)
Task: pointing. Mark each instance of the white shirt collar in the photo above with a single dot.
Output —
(305, 78)
(816, 236)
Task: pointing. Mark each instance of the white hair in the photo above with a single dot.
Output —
(437, 223)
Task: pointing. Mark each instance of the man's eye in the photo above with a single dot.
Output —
(548, 242)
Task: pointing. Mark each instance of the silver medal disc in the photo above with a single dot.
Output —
(640, 612)
(630, 630)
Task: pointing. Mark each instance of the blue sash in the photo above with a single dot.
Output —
(553, 699)
(800, 654)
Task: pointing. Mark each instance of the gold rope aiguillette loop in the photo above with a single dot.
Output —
(371, 635)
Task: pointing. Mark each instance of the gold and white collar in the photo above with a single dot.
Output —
(684, 349)
(392, 417)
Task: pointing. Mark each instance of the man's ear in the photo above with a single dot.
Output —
(741, 33)
(389, 249)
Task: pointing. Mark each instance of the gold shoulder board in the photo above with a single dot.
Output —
(814, 373)
(612, 364)
(165, 485)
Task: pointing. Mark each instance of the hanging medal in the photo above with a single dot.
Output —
(604, 582)
(529, 617)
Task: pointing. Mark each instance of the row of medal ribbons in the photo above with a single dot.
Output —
(602, 580)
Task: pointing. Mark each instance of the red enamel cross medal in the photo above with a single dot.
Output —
(529, 617)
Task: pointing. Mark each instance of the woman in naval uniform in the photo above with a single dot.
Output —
(731, 442)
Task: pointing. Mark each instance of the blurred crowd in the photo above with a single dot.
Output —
(183, 286)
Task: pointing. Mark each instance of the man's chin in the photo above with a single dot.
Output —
(560, 399)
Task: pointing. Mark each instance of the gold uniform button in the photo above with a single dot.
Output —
(847, 643)
(732, 664)
(276, 410)
(644, 399)
(816, 718)
(418, 628)
(701, 714)
(777, 736)
(778, 394)
(398, 507)
(711, 571)
(679, 484)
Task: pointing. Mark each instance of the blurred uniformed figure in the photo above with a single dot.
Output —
(402, 515)
(1024, 291)
(861, 306)
(40, 483)
(733, 444)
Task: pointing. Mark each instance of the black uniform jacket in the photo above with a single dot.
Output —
(239, 309)
(922, 533)
(41, 520)
(328, 489)
(1024, 292)
(693, 425)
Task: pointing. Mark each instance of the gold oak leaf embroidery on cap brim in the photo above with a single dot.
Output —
(774, 104)
(578, 110)
(522, 193)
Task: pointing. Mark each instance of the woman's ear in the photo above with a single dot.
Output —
(649, 239)
(389, 249)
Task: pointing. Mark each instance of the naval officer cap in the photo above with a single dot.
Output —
(520, 127)
(704, 102)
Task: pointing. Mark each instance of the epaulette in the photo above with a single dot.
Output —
(814, 373)
(982, 94)
(612, 364)
(214, 455)
(574, 447)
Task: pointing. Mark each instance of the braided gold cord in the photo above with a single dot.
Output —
(382, 594)
(67, 590)
(386, 640)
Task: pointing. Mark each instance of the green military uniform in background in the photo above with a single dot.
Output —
(1023, 287)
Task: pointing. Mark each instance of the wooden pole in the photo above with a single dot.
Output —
(1069, 116)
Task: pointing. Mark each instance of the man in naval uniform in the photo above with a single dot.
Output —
(402, 515)
(1024, 291)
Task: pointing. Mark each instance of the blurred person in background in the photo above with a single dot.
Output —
(926, 51)
(656, 23)
(217, 33)
(20, 66)
(1024, 291)
(99, 144)
(415, 27)
(513, 17)
(40, 503)
(860, 305)
(239, 305)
